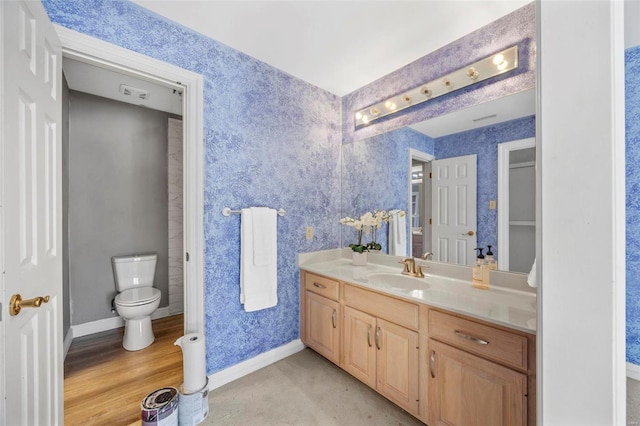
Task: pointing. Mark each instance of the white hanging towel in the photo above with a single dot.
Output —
(397, 233)
(258, 258)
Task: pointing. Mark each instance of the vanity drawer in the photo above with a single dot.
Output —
(393, 310)
(484, 340)
(321, 285)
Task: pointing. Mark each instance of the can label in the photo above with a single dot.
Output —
(194, 407)
(160, 408)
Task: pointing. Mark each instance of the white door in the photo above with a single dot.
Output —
(453, 229)
(31, 216)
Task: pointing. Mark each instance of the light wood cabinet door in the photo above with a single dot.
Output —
(397, 364)
(467, 390)
(359, 345)
(322, 328)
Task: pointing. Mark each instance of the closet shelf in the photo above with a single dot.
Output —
(522, 223)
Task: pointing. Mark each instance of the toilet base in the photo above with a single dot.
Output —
(138, 334)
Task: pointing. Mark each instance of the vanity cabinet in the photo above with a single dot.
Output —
(443, 367)
(381, 353)
(477, 373)
(321, 316)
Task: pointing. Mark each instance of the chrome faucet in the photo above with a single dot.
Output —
(410, 268)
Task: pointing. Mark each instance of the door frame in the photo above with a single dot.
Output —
(85, 48)
(504, 149)
(414, 154)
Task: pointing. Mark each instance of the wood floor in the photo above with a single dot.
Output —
(104, 384)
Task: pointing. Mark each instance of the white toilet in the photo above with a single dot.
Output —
(136, 299)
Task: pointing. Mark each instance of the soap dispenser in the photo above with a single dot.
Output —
(478, 269)
(490, 265)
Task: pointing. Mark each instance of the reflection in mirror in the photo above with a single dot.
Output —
(516, 212)
(378, 171)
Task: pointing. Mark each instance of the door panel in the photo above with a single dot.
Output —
(31, 137)
(322, 326)
(468, 390)
(359, 346)
(454, 209)
(397, 365)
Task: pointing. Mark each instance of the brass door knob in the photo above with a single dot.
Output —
(470, 234)
(17, 303)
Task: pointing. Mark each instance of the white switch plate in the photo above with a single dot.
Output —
(492, 204)
(309, 232)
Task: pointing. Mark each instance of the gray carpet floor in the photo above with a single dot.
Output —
(633, 402)
(307, 390)
(303, 389)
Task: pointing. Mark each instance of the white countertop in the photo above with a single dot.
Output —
(499, 305)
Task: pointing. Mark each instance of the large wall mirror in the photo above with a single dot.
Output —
(414, 169)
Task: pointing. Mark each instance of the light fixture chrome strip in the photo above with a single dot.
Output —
(491, 66)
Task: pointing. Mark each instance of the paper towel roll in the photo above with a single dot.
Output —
(193, 361)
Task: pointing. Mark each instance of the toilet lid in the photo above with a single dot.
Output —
(138, 296)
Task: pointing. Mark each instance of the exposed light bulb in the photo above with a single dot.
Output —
(503, 65)
(498, 59)
(358, 116)
(390, 105)
(365, 119)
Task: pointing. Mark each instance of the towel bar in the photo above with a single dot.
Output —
(227, 211)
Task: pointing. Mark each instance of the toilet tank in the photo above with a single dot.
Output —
(135, 270)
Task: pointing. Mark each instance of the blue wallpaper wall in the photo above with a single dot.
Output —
(632, 95)
(484, 142)
(269, 139)
(375, 176)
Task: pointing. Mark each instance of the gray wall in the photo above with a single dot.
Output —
(117, 197)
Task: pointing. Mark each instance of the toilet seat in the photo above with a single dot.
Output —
(138, 296)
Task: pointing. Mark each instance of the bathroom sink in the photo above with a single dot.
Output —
(398, 281)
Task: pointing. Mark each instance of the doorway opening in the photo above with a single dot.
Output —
(88, 50)
(517, 205)
(419, 215)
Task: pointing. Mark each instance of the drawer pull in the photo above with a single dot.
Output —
(369, 335)
(432, 364)
(333, 318)
(471, 338)
(378, 338)
(319, 285)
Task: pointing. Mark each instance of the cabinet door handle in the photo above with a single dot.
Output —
(333, 318)
(369, 335)
(319, 285)
(471, 338)
(432, 364)
(378, 338)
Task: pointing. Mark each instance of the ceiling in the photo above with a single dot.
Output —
(338, 46)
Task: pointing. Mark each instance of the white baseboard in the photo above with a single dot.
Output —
(98, 326)
(68, 338)
(256, 363)
(633, 371)
(110, 323)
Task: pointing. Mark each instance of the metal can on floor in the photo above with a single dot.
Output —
(160, 408)
(194, 407)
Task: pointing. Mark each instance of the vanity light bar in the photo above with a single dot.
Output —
(491, 66)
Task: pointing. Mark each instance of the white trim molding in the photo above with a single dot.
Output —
(633, 371)
(237, 371)
(414, 154)
(504, 149)
(87, 49)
